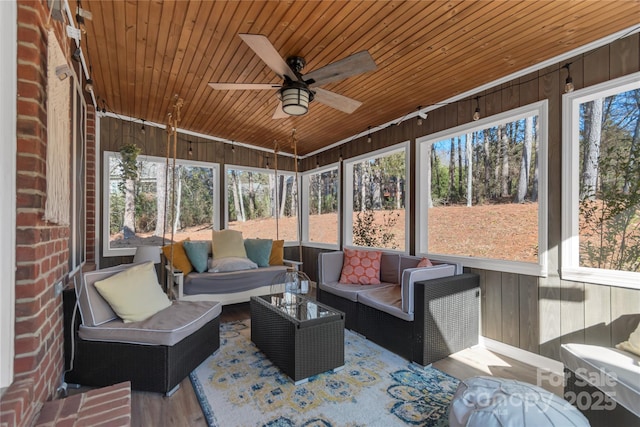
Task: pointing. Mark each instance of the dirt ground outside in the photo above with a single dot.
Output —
(501, 231)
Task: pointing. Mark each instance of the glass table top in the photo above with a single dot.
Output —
(299, 307)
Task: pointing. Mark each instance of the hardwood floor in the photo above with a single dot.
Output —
(182, 409)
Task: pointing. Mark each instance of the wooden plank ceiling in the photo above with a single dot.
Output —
(143, 52)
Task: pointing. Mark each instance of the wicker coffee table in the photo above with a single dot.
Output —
(299, 335)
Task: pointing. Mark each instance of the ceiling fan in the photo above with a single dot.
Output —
(298, 90)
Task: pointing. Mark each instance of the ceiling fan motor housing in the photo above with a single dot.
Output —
(295, 96)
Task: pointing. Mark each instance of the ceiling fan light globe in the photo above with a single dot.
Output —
(295, 100)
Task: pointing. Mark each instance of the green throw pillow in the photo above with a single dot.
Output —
(258, 251)
(198, 252)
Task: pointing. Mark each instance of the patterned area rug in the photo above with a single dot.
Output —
(238, 386)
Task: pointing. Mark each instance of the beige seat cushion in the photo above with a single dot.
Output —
(387, 299)
(166, 327)
(349, 291)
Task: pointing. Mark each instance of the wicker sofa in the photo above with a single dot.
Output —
(155, 354)
(423, 314)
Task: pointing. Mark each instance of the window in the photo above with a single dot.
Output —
(482, 192)
(320, 207)
(78, 179)
(262, 205)
(149, 202)
(376, 199)
(601, 181)
(8, 115)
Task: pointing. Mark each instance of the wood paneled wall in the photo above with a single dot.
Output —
(525, 312)
(114, 133)
(532, 313)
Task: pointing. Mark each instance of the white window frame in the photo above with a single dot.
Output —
(570, 263)
(305, 176)
(347, 226)
(8, 117)
(257, 170)
(78, 244)
(109, 252)
(424, 169)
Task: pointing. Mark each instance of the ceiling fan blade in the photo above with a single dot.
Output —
(334, 100)
(244, 86)
(357, 63)
(264, 49)
(279, 113)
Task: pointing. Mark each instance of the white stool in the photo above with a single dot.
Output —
(499, 402)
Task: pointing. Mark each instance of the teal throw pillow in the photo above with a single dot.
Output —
(258, 250)
(197, 252)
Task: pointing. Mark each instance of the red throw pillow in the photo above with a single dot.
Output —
(361, 267)
(424, 262)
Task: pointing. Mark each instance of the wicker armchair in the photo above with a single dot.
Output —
(447, 313)
(186, 334)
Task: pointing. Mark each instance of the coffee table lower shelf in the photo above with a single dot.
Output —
(300, 349)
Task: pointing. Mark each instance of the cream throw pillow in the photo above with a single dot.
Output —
(228, 243)
(134, 294)
(633, 344)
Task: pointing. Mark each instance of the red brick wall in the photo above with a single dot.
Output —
(41, 247)
(107, 406)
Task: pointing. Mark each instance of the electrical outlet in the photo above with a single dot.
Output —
(58, 288)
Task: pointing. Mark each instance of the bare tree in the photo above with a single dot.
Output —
(364, 181)
(252, 195)
(319, 179)
(487, 164)
(589, 177)
(428, 183)
(238, 203)
(535, 153)
(161, 194)
(283, 194)
(525, 162)
(129, 167)
(376, 181)
(452, 170)
(178, 199)
(460, 185)
(504, 156)
(635, 140)
(273, 195)
(129, 223)
(435, 168)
